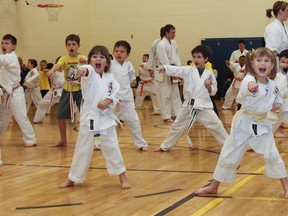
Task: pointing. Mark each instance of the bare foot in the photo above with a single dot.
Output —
(59, 144)
(158, 149)
(250, 149)
(168, 121)
(124, 181)
(286, 195)
(155, 113)
(38, 122)
(66, 184)
(97, 148)
(278, 134)
(206, 190)
(144, 149)
(30, 145)
(76, 128)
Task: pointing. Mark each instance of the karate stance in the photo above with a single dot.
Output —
(250, 127)
(99, 89)
(199, 84)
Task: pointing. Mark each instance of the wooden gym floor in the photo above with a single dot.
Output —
(162, 183)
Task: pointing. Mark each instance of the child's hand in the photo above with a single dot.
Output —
(82, 61)
(133, 83)
(252, 87)
(141, 65)
(151, 73)
(103, 104)
(276, 107)
(161, 69)
(208, 82)
(82, 72)
(49, 74)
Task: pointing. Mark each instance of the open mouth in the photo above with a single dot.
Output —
(3, 50)
(98, 66)
(262, 70)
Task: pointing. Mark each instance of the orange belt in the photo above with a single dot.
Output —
(142, 85)
(7, 99)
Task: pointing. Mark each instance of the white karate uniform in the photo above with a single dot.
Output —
(93, 120)
(233, 90)
(52, 97)
(194, 88)
(13, 99)
(276, 36)
(167, 53)
(145, 87)
(236, 54)
(251, 128)
(153, 63)
(125, 109)
(32, 91)
(281, 82)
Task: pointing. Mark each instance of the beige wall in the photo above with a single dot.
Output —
(106, 21)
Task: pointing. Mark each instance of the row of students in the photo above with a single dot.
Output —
(250, 126)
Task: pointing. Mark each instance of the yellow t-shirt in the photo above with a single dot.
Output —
(44, 81)
(69, 66)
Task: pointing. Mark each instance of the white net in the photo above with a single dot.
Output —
(52, 7)
(53, 10)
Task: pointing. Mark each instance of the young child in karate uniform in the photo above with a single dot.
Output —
(199, 84)
(99, 89)
(123, 71)
(250, 127)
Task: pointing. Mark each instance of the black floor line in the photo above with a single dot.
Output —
(137, 170)
(48, 206)
(177, 204)
(159, 193)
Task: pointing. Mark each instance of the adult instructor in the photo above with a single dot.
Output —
(168, 54)
(276, 33)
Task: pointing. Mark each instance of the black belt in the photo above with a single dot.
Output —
(191, 102)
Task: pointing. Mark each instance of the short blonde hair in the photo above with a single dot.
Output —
(260, 52)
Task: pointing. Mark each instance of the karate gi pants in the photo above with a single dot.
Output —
(84, 151)
(32, 95)
(206, 117)
(230, 97)
(126, 112)
(170, 98)
(16, 107)
(235, 147)
(44, 106)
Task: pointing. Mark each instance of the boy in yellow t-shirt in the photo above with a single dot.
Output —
(71, 90)
(44, 80)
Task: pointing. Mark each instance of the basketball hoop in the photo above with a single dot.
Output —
(53, 10)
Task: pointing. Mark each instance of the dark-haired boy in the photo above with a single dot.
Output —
(71, 90)
(123, 71)
(13, 99)
(199, 84)
(31, 84)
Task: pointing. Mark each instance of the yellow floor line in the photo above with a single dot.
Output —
(215, 202)
(261, 198)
